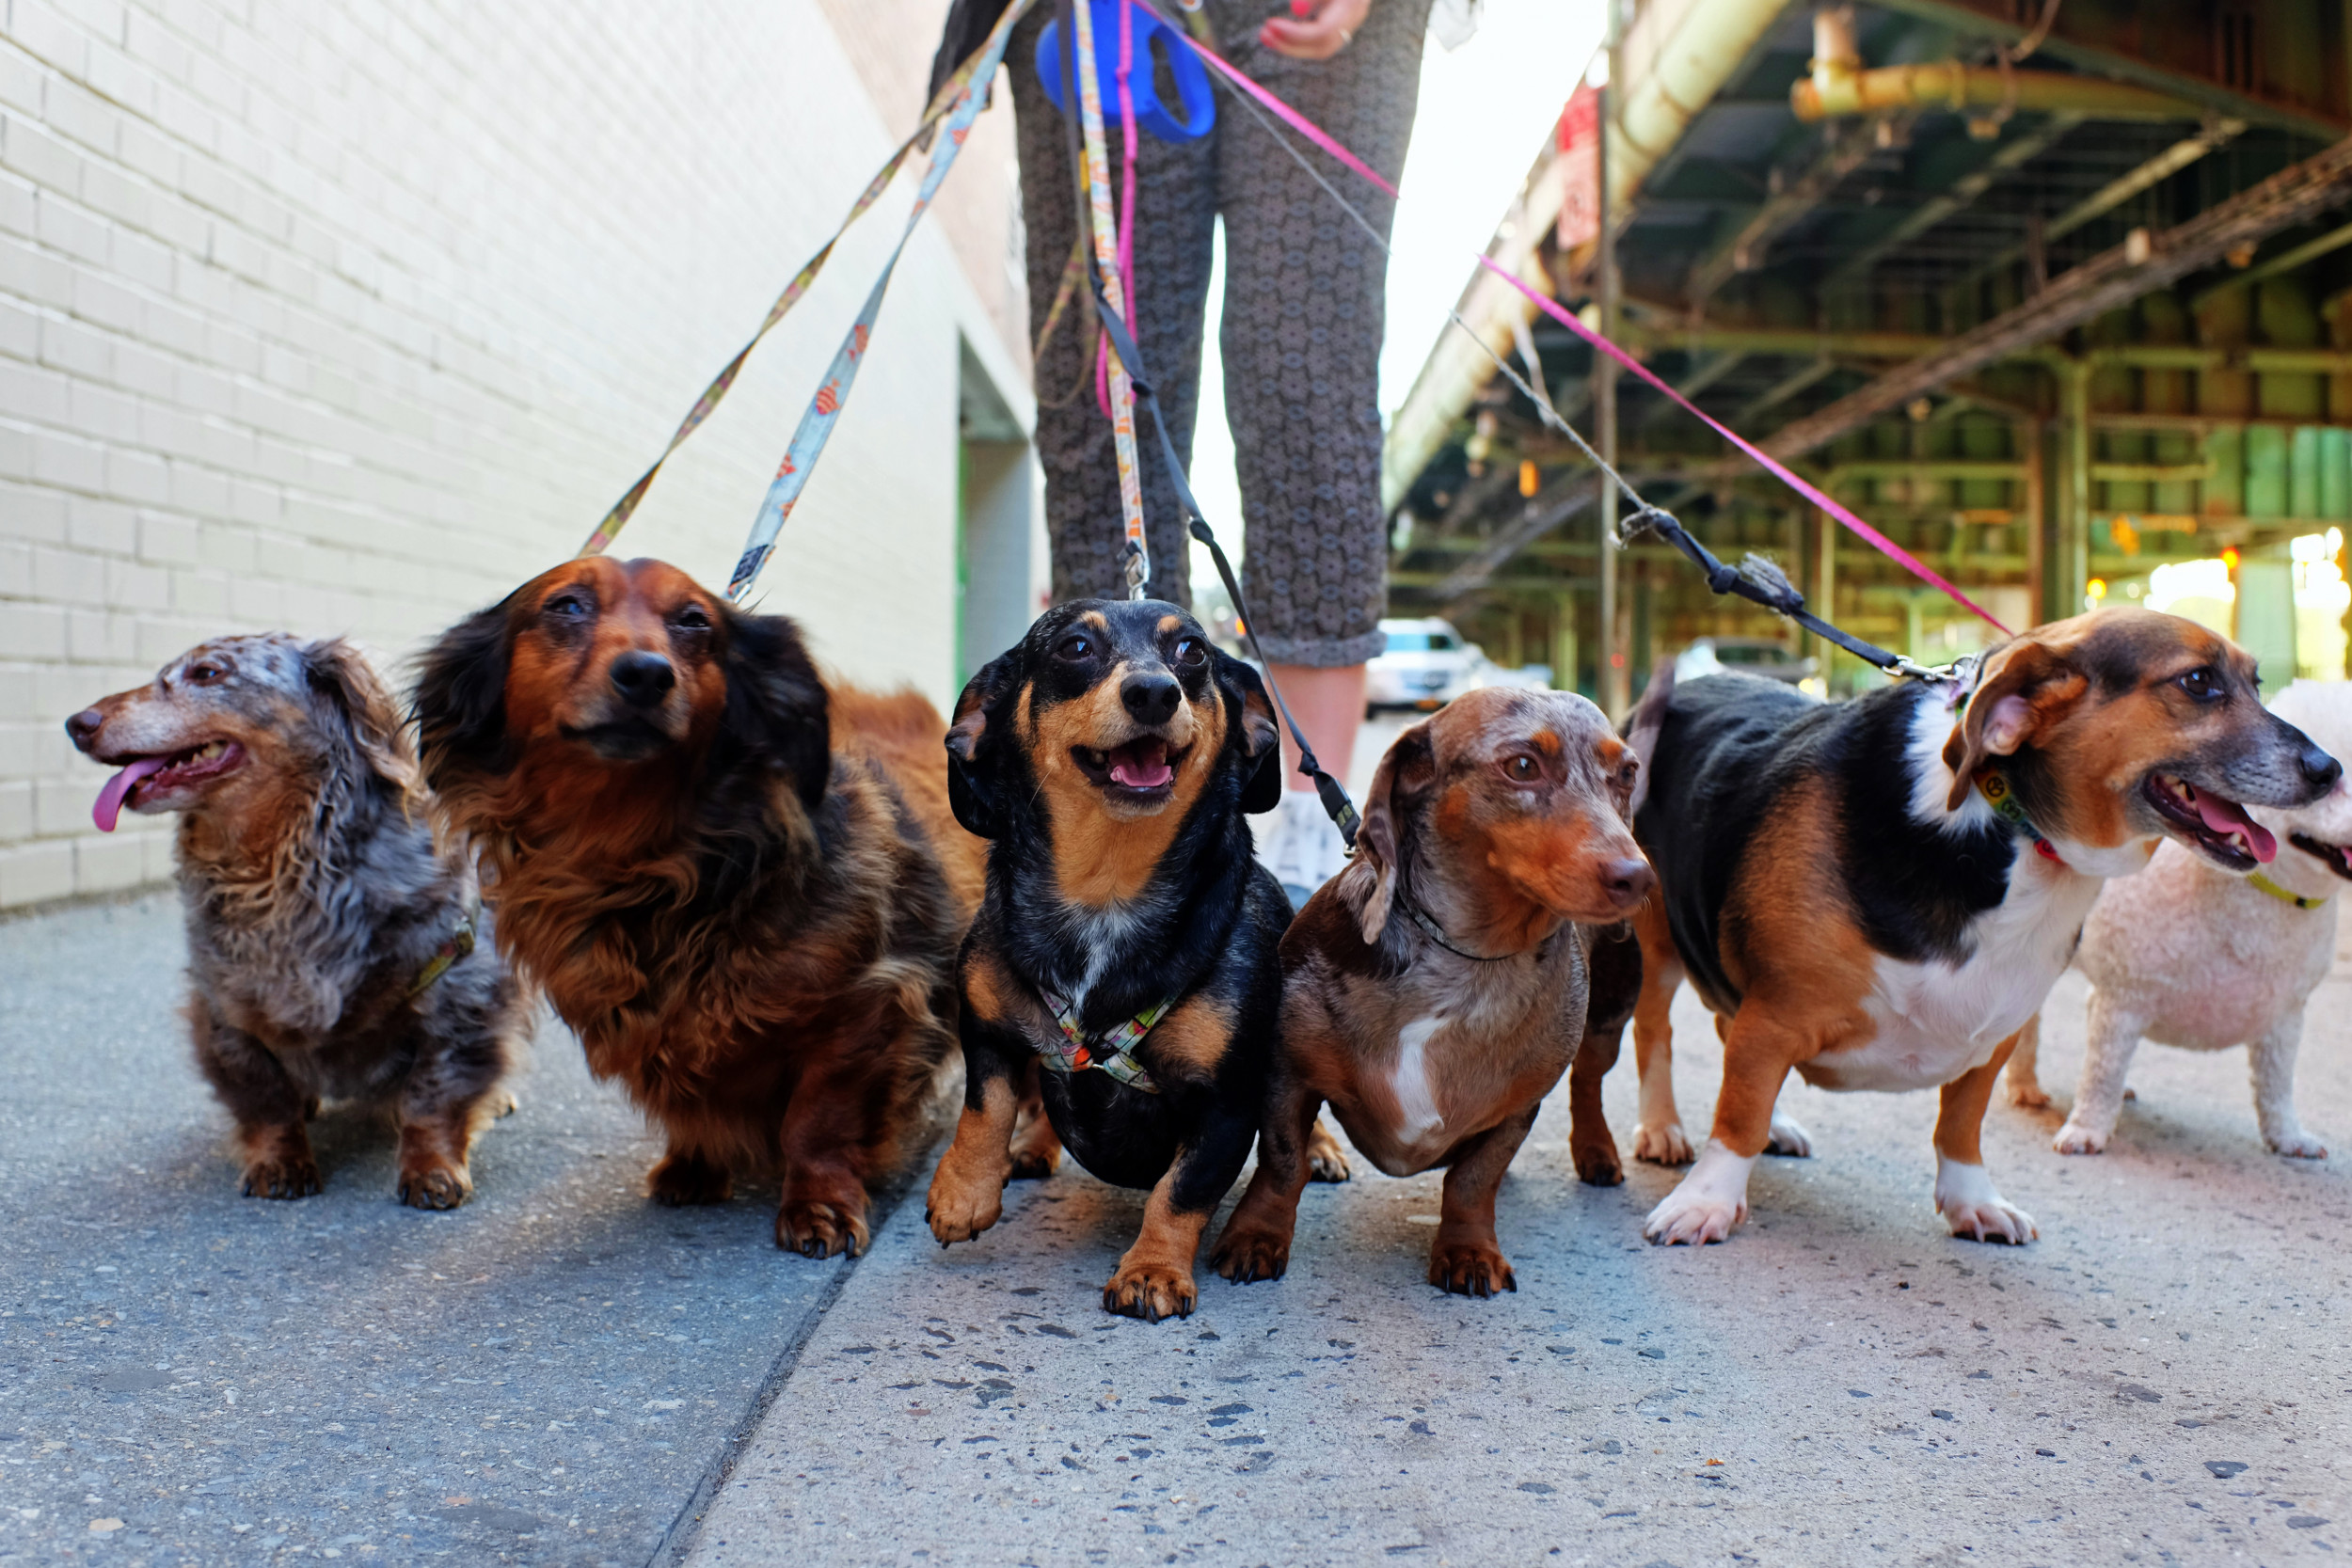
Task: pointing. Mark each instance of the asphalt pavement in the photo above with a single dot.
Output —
(559, 1372)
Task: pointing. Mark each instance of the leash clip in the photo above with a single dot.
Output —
(1139, 570)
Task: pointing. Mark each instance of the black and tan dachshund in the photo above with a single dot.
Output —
(1126, 941)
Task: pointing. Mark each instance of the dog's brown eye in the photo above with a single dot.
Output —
(1522, 768)
(205, 674)
(2203, 683)
(691, 619)
(1188, 652)
(565, 606)
(1076, 647)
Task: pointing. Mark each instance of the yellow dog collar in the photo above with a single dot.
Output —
(2276, 892)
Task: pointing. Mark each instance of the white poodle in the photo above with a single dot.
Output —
(2186, 954)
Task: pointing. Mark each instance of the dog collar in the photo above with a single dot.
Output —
(1994, 785)
(1438, 936)
(2276, 892)
(1110, 1051)
(460, 943)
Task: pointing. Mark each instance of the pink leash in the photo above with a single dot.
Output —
(1559, 313)
(1126, 199)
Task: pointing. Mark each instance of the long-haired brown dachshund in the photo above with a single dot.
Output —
(744, 890)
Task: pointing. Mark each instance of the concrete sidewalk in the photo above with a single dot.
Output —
(554, 1372)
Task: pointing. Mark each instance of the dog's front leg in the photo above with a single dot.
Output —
(269, 1107)
(1590, 1143)
(2024, 1063)
(2112, 1036)
(1707, 1203)
(1035, 1147)
(1467, 1259)
(967, 1192)
(2271, 1060)
(1965, 1193)
(1154, 1279)
(1658, 1133)
(1257, 1239)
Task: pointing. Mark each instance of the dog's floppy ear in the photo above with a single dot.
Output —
(1251, 714)
(345, 681)
(973, 753)
(776, 713)
(1402, 775)
(459, 706)
(2024, 686)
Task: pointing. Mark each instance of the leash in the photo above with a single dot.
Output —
(1088, 156)
(944, 101)
(1334, 795)
(816, 427)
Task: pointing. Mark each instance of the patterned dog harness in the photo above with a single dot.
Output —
(1111, 1050)
(460, 943)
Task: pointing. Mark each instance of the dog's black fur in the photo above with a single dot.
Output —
(1198, 921)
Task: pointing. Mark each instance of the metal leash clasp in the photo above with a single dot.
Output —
(1139, 570)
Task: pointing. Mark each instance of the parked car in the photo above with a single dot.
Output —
(1426, 664)
(1754, 656)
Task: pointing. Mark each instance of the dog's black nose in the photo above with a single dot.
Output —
(2319, 767)
(1628, 880)
(642, 679)
(1150, 698)
(84, 727)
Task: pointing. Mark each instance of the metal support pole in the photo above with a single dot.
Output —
(1823, 600)
(1615, 676)
(2074, 525)
(2028, 438)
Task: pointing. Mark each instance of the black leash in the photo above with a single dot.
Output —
(1762, 581)
(1334, 795)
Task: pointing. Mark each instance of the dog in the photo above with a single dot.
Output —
(1879, 893)
(2190, 955)
(1434, 991)
(1126, 942)
(739, 885)
(332, 950)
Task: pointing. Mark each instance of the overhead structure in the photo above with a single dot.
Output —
(2052, 294)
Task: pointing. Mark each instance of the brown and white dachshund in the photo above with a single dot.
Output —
(1434, 990)
(331, 952)
(740, 885)
(1877, 895)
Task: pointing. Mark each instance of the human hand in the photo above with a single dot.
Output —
(1316, 29)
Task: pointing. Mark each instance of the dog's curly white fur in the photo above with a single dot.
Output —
(2185, 953)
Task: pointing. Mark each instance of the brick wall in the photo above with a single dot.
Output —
(344, 317)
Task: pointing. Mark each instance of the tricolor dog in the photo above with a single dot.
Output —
(1877, 895)
(2190, 954)
(1434, 990)
(1126, 940)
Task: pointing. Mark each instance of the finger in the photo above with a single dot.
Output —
(1302, 41)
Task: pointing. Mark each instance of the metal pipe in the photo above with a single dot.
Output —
(1611, 686)
(1835, 90)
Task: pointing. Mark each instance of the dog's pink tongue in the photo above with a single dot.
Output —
(1142, 767)
(109, 808)
(2228, 817)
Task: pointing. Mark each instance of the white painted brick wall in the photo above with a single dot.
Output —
(344, 318)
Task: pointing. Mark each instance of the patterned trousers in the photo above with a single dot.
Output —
(1304, 314)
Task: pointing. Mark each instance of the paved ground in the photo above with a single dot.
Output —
(552, 1374)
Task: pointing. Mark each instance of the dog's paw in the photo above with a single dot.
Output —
(282, 1177)
(1706, 1204)
(1029, 1165)
(961, 1207)
(1965, 1196)
(814, 1229)
(1596, 1162)
(1666, 1144)
(683, 1181)
(1149, 1291)
(1325, 1160)
(1244, 1256)
(2028, 1096)
(1789, 1138)
(435, 1187)
(2295, 1144)
(1473, 1268)
(2074, 1138)
(503, 1104)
